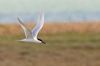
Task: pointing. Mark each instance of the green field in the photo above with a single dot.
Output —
(62, 49)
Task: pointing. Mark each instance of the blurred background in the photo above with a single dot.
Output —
(71, 31)
(62, 10)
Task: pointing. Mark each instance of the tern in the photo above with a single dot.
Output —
(31, 36)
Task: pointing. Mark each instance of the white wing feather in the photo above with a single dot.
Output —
(27, 32)
(38, 26)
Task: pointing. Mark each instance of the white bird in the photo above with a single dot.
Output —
(31, 36)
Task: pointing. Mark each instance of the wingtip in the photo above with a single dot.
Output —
(18, 18)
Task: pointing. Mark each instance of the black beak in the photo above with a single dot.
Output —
(43, 42)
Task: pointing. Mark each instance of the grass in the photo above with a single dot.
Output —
(64, 48)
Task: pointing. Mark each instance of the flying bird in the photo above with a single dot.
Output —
(32, 36)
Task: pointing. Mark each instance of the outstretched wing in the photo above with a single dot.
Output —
(38, 25)
(27, 32)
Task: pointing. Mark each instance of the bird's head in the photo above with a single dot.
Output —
(41, 41)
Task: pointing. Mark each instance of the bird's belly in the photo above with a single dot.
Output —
(29, 40)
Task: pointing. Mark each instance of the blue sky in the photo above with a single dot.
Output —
(14, 6)
(54, 9)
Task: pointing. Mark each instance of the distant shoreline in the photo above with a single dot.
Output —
(52, 16)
